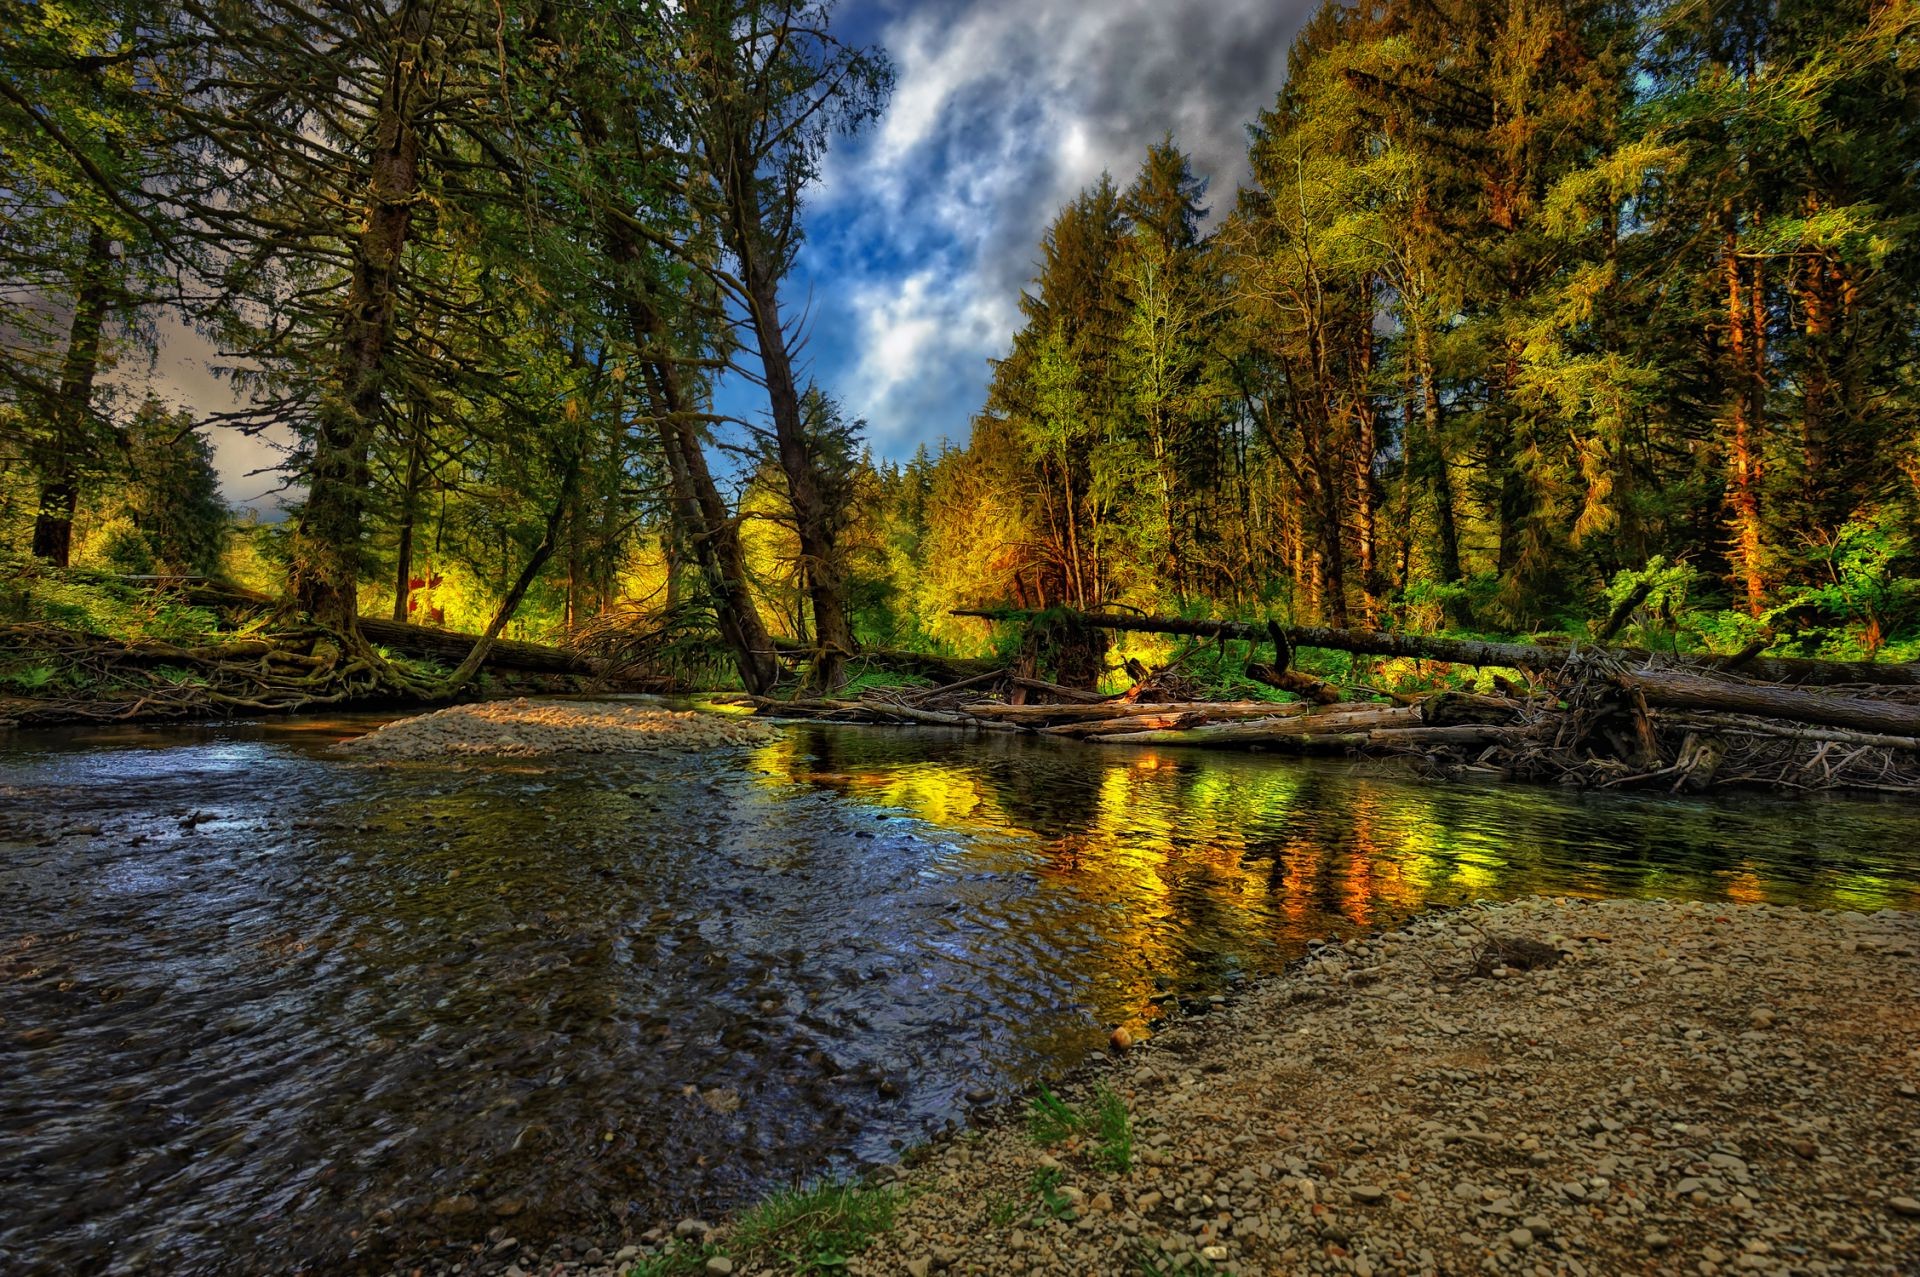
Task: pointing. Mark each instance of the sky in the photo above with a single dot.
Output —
(926, 226)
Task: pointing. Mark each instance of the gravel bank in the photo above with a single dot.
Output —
(1687, 1089)
(1684, 1088)
(524, 728)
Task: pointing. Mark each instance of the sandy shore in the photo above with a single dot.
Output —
(524, 728)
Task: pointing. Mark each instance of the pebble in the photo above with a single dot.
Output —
(1903, 1206)
(522, 728)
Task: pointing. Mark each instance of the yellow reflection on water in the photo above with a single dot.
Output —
(1177, 853)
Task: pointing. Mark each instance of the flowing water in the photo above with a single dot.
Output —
(268, 1008)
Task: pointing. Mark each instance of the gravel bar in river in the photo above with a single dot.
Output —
(1685, 1088)
(523, 728)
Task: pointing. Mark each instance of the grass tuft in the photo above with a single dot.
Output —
(1112, 1131)
(816, 1228)
(1051, 1120)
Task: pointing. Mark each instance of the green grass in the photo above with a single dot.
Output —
(873, 679)
(1051, 1120)
(1105, 1122)
(1112, 1131)
(97, 603)
(816, 1228)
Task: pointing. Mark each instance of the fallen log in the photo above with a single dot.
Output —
(1433, 647)
(1675, 690)
(1747, 725)
(1125, 709)
(947, 669)
(1130, 723)
(422, 640)
(1443, 709)
(1325, 725)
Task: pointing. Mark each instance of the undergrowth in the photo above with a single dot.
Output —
(815, 1228)
(1104, 1122)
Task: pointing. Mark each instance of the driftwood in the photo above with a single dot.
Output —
(1687, 691)
(1528, 656)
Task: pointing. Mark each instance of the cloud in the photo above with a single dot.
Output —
(926, 228)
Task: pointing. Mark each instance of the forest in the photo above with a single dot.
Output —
(1525, 311)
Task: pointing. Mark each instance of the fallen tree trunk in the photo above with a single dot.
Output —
(1331, 726)
(1049, 714)
(1433, 647)
(422, 640)
(1685, 691)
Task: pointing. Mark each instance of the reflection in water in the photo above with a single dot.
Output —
(265, 1007)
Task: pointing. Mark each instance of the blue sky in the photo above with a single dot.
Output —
(925, 227)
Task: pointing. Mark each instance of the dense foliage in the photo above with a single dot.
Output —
(1521, 298)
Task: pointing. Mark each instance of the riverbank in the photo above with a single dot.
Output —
(522, 728)
(1698, 1088)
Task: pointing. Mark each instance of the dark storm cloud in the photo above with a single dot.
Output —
(929, 223)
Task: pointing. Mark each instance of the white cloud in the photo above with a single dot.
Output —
(928, 226)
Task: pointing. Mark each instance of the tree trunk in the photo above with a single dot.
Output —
(703, 515)
(324, 574)
(67, 414)
(1743, 445)
(813, 521)
(1687, 691)
(1440, 473)
(409, 501)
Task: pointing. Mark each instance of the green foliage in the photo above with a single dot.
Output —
(1051, 1120)
(817, 1228)
(1105, 1122)
(97, 604)
(1866, 581)
(1112, 1128)
(1003, 1209)
(674, 1261)
(28, 678)
(875, 679)
(119, 546)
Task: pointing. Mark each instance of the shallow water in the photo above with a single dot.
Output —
(269, 1008)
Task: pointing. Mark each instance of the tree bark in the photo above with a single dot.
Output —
(1687, 691)
(1745, 420)
(326, 543)
(67, 414)
(409, 499)
(813, 520)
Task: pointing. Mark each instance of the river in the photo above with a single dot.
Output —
(269, 1008)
